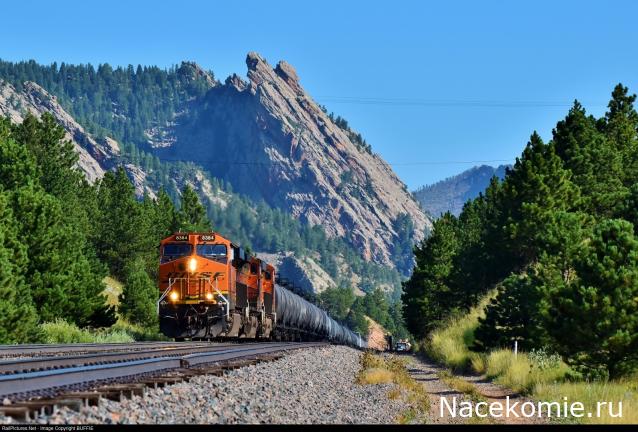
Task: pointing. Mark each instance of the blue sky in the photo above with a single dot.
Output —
(426, 83)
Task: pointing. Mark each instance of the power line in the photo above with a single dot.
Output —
(471, 103)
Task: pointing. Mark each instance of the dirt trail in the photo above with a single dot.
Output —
(426, 372)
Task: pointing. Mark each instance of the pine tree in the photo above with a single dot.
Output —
(192, 214)
(337, 302)
(629, 210)
(536, 186)
(139, 296)
(376, 306)
(593, 315)
(595, 164)
(356, 319)
(427, 296)
(55, 156)
(17, 165)
(470, 276)
(122, 226)
(63, 282)
(513, 315)
(18, 316)
(620, 125)
(166, 214)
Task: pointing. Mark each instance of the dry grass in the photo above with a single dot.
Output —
(375, 376)
(394, 394)
(461, 386)
(589, 394)
(529, 374)
(449, 344)
(520, 373)
(376, 369)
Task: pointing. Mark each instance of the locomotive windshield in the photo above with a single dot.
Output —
(172, 251)
(215, 252)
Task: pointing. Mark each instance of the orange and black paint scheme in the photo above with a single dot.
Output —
(210, 288)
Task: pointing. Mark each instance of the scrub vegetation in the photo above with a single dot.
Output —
(539, 374)
(376, 369)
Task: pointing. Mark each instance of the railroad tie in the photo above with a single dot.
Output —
(118, 392)
(210, 370)
(161, 381)
(18, 413)
(89, 398)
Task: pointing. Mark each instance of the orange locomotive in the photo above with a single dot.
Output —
(210, 288)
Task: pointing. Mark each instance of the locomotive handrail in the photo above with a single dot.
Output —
(164, 294)
(226, 302)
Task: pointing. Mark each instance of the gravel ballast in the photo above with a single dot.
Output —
(314, 385)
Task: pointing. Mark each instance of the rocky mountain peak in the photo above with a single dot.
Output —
(289, 75)
(296, 158)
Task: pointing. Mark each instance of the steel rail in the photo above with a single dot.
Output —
(33, 364)
(27, 349)
(33, 382)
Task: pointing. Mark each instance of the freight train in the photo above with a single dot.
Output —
(211, 288)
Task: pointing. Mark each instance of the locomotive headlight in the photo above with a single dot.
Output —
(173, 296)
(192, 265)
(209, 296)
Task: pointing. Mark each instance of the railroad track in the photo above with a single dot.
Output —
(35, 364)
(41, 384)
(32, 350)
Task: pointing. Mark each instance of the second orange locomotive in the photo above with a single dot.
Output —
(211, 288)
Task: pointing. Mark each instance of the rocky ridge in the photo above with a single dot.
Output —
(94, 156)
(273, 142)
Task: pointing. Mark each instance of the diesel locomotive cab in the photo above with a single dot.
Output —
(194, 275)
(209, 288)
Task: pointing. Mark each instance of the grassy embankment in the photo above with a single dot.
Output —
(536, 374)
(61, 331)
(376, 369)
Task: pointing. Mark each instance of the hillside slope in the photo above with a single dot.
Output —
(94, 156)
(264, 138)
(450, 194)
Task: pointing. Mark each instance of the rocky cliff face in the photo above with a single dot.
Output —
(271, 141)
(94, 156)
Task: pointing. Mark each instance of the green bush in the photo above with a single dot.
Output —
(138, 332)
(62, 332)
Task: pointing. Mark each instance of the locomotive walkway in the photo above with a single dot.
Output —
(42, 383)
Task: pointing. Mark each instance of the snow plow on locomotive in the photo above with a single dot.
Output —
(210, 288)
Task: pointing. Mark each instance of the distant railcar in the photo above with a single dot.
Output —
(210, 288)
